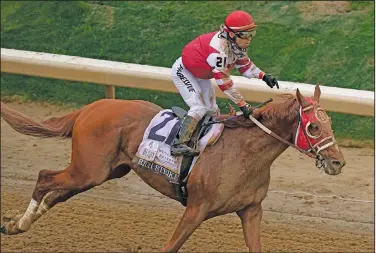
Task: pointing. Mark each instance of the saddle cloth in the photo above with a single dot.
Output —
(154, 152)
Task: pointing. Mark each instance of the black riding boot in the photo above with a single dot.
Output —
(179, 147)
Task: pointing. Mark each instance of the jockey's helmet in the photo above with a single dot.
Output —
(242, 25)
(239, 21)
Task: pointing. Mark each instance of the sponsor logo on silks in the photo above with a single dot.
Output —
(184, 79)
(173, 177)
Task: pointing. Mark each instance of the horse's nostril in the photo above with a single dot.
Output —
(337, 164)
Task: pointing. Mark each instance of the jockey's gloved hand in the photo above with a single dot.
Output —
(270, 81)
(247, 110)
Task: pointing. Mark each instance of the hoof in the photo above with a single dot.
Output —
(10, 228)
(11, 215)
(2, 229)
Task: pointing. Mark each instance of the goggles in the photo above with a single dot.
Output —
(249, 34)
(246, 34)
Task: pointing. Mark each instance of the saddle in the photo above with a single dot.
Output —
(154, 152)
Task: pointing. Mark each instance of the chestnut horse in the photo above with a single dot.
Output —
(231, 176)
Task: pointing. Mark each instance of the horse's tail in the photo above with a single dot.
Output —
(54, 127)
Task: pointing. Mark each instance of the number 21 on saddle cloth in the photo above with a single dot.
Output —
(154, 152)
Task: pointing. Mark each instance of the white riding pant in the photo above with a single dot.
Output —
(198, 94)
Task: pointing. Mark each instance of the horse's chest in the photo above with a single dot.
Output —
(253, 195)
(245, 196)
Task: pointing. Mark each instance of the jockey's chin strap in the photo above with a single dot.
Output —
(268, 131)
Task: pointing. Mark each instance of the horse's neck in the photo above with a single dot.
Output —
(285, 128)
(270, 147)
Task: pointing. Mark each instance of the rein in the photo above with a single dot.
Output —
(312, 152)
(268, 131)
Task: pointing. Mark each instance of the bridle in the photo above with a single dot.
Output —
(314, 148)
(313, 143)
(317, 147)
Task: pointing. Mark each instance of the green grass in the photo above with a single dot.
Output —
(335, 49)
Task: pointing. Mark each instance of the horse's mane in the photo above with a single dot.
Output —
(284, 106)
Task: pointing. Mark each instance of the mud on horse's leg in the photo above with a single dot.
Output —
(251, 222)
(191, 220)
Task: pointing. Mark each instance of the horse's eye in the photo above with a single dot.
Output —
(314, 130)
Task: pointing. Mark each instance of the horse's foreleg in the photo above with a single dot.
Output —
(251, 222)
(192, 218)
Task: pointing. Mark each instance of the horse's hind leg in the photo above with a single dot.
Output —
(93, 156)
(39, 205)
(15, 215)
(56, 197)
(48, 181)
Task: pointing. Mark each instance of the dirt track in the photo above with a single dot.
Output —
(127, 215)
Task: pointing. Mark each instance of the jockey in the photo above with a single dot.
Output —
(213, 55)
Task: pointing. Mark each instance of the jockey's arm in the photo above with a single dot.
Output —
(248, 69)
(225, 84)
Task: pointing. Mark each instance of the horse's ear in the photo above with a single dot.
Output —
(316, 95)
(301, 99)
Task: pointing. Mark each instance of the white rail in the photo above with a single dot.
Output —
(111, 73)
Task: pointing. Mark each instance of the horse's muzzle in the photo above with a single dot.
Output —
(334, 166)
